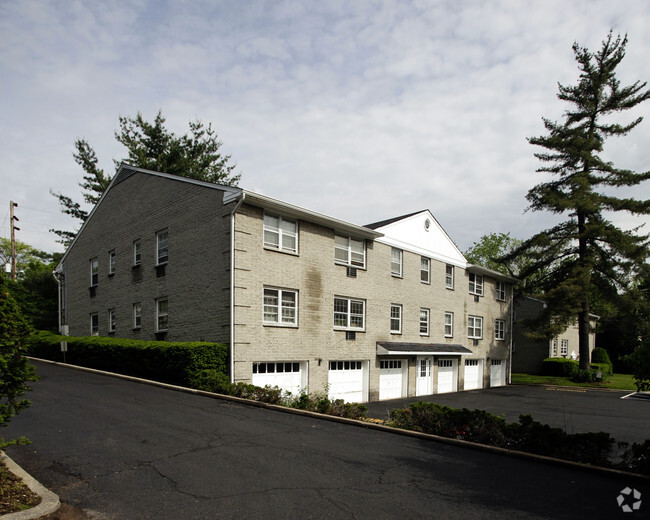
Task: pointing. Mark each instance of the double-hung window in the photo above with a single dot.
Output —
(396, 261)
(349, 313)
(425, 270)
(449, 276)
(94, 272)
(424, 322)
(162, 315)
(280, 307)
(162, 239)
(501, 291)
(111, 262)
(449, 324)
(499, 330)
(137, 252)
(94, 324)
(395, 318)
(349, 251)
(474, 327)
(554, 346)
(112, 320)
(280, 233)
(137, 315)
(476, 284)
(564, 347)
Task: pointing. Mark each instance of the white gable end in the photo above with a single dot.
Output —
(415, 235)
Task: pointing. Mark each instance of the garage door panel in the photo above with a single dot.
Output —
(446, 376)
(391, 379)
(473, 374)
(285, 375)
(346, 381)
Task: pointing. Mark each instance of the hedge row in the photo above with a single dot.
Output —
(563, 367)
(169, 362)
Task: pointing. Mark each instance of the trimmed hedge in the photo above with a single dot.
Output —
(605, 368)
(561, 367)
(169, 362)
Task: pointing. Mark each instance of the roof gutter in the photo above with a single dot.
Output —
(232, 284)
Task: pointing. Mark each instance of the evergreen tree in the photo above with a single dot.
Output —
(153, 147)
(586, 253)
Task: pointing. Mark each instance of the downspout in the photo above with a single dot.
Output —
(232, 286)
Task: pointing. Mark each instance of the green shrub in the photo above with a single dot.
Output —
(321, 403)
(637, 458)
(599, 355)
(584, 376)
(604, 368)
(170, 362)
(561, 367)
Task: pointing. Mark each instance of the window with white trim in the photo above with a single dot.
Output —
(112, 320)
(137, 252)
(474, 327)
(499, 330)
(94, 324)
(390, 363)
(449, 276)
(280, 233)
(396, 261)
(349, 313)
(280, 307)
(162, 239)
(449, 324)
(554, 346)
(111, 262)
(137, 315)
(476, 284)
(94, 272)
(345, 365)
(349, 251)
(395, 318)
(564, 347)
(425, 269)
(501, 291)
(276, 367)
(424, 321)
(162, 315)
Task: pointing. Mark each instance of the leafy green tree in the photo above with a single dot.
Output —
(488, 250)
(587, 253)
(151, 146)
(24, 255)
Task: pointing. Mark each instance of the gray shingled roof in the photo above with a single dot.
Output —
(394, 347)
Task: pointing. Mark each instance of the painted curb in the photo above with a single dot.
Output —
(362, 424)
(49, 500)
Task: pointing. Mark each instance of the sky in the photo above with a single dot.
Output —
(361, 110)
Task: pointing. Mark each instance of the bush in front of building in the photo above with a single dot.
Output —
(165, 361)
(600, 360)
(560, 367)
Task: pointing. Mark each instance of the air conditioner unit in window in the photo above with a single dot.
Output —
(477, 298)
(475, 343)
(350, 335)
(352, 272)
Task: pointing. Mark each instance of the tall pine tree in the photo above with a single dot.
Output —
(586, 254)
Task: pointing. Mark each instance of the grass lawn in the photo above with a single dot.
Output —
(617, 381)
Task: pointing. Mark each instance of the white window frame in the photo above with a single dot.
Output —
(449, 324)
(162, 247)
(279, 307)
(137, 315)
(137, 252)
(449, 276)
(344, 251)
(347, 313)
(476, 284)
(396, 262)
(425, 270)
(474, 325)
(94, 324)
(564, 347)
(554, 347)
(281, 232)
(111, 262)
(501, 291)
(395, 318)
(162, 315)
(424, 323)
(499, 330)
(94, 272)
(112, 320)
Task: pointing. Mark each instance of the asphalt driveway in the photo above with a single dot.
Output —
(574, 409)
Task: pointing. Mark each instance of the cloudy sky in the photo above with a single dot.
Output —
(362, 110)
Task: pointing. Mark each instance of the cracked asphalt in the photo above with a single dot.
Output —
(123, 450)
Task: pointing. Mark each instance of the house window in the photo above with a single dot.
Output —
(137, 315)
(94, 324)
(564, 347)
(476, 284)
(349, 313)
(424, 322)
(449, 324)
(111, 320)
(111, 262)
(425, 270)
(449, 276)
(349, 251)
(162, 315)
(396, 262)
(162, 238)
(474, 327)
(554, 347)
(137, 252)
(395, 318)
(280, 307)
(280, 234)
(94, 272)
(501, 291)
(499, 330)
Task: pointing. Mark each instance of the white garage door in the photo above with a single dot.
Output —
(446, 376)
(346, 381)
(285, 375)
(391, 379)
(497, 373)
(473, 374)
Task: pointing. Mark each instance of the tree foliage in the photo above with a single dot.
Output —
(585, 253)
(151, 146)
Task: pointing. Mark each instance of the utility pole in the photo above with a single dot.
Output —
(13, 218)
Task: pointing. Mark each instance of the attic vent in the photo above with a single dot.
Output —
(352, 272)
(124, 174)
(427, 224)
(350, 334)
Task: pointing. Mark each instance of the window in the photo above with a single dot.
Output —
(137, 252)
(162, 238)
(94, 324)
(111, 262)
(476, 284)
(111, 320)
(349, 313)
(424, 322)
(390, 363)
(280, 234)
(554, 347)
(137, 315)
(501, 291)
(94, 272)
(449, 276)
(275, 368)
(474, 327)
(499, 330)
(425, 270)
(349, 251)
(396, 318)
(396, 262)
(564, 347)
(280, 307)
(162, 316)
(449, 324)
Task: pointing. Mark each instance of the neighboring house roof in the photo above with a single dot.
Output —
(387, 348)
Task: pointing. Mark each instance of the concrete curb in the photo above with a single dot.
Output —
(363, 424)
(49, 500)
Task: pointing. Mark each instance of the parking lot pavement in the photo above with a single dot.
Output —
(574, 409)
